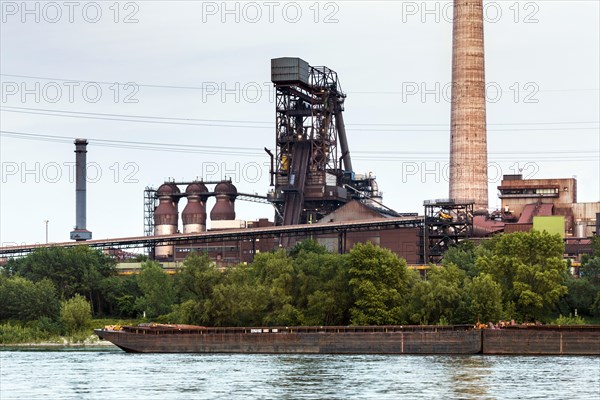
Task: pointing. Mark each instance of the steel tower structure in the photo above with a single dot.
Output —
(312, 159)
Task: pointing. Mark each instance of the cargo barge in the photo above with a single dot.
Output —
(156, 338)
(457, 339)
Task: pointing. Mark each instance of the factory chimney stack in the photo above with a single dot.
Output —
(80, 232)
(468, 141)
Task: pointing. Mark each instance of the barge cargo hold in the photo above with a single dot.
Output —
(156, 338)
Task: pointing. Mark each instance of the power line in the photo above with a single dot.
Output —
(10, 108)
(171, 147)
(134, 120)
(513, 91)
(173, 121)
(254, 89)
(382, 156)
(109, 83)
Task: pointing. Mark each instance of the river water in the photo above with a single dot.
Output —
(109, 373)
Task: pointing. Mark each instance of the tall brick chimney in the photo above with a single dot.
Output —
(468, 142)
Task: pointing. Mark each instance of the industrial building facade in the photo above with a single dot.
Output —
(527, 199)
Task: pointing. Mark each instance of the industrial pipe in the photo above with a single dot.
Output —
(339, 123)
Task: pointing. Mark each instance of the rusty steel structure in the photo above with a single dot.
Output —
(150, 204)
(166, 216)
(194, 213)
(309, 101)
(224, 209)
(468, 143)
(161, 214)
(446, 223)
(311, 168)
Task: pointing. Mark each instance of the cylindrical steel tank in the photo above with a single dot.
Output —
(166, 217)
(580, 229)
(194, 213)
(376, 198)
(224, 208)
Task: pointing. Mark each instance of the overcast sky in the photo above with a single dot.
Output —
(180, 89)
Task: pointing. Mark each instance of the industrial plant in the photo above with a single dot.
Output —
(315, 192)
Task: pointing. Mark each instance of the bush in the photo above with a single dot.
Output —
(48, 325)
(75, 314)
(15, 333)
(570, 320)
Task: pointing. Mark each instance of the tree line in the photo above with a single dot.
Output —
(519, 276)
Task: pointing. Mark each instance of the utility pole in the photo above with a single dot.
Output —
(46, 222)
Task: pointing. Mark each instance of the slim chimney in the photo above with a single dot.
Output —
(80, 233)
(468, 142)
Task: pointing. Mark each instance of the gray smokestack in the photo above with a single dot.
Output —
(80, 232)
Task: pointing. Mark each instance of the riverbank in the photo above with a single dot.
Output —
(63, 342)
(16, 334)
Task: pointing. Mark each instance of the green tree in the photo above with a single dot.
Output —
(596, 246)
(75, 314)
(187, 312)
(530, 270)
(119, 294)
(590, 270)
(581, 295)
(307, 246)
(158, 295)
(239, 299)
(463, 256)
(441, 298)
(25, 300)
(379, 285)
(194, 286)
(584, 293)
(320, 287)
(197, 278)
(275, 272)
(485, 297)
(76, 270)
(595, 311)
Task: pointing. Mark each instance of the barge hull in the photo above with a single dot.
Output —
(553, 340)
(513, 340)
(429, 342)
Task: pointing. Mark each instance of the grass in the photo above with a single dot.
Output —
(36, 332)
(16, 333)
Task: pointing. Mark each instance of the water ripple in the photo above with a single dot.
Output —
(112, 374)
